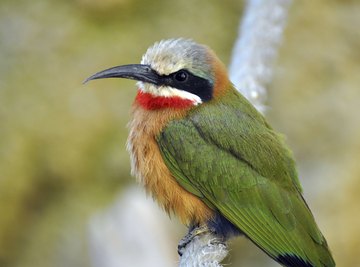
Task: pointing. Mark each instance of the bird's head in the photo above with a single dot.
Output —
(173, 73)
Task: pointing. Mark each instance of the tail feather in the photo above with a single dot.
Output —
(293, 261)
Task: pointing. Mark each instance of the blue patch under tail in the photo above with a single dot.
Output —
(223, 227)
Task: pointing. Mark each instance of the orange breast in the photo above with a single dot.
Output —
(150, 169)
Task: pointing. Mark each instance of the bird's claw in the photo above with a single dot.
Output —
(199, 230)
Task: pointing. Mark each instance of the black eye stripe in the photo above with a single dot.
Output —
(191, 83)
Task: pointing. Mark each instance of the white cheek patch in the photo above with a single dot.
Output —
(167, 91)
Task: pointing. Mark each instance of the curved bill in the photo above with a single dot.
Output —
(137, 72)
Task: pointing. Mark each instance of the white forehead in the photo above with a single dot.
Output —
(168, 56)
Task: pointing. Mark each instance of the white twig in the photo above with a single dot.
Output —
(255, 50)
(204, 250)
(260, 34)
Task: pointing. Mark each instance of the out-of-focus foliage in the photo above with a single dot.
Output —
(62, 152)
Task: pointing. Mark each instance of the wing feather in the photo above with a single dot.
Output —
(230, 157)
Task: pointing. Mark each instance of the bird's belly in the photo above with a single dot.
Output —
(149, 168)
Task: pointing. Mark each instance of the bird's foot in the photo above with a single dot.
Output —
(196, 231)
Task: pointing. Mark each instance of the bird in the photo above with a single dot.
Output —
(204, 152)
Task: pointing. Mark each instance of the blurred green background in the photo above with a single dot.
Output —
(62, 144)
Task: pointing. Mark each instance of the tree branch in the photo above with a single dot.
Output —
(204, 250)
(255, 50)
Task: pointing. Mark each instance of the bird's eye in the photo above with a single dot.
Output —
(181, 76)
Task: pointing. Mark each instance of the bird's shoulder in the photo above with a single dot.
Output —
(232, 125)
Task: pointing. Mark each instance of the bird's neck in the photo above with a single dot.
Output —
(150, 102)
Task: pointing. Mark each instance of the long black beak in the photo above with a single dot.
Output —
(137, 72)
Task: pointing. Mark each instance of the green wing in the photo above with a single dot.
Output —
(228, 156)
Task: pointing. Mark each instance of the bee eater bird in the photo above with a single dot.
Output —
(207, 155)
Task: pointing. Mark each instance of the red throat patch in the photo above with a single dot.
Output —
(150, 102)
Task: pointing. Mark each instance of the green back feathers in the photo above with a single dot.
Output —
(225, 153)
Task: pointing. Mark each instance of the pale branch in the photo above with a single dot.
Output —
(204, 250)
(254, 53)
(255, 50)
